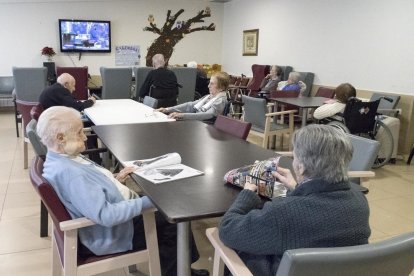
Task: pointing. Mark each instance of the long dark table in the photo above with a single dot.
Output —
(202, 147)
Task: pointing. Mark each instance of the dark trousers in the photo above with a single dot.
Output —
(167, 243)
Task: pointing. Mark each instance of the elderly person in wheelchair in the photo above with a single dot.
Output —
(351, 115)
(321, 209)
(89, 190)
(332, 107)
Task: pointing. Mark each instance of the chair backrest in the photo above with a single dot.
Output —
(360, 116)
(29, 82)
(6, 85)
(259, 73)
(150, 101)
(24, 108)
(283, 94)
(307, 78)
(50, 199)
(116, 83)
(254, 111)
(394, 256)
(38, 147)
(384, 104)
(232, 126)
(364, 153)
(51, 71)
(325, 92)
(140, 74)
(285, 72)
(186, 77)
(81, 76)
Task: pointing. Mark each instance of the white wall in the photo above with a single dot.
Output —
(369, 43)
(27, 26)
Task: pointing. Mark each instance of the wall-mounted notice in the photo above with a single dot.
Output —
(127, 55)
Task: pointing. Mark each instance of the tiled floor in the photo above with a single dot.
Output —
(23, 252)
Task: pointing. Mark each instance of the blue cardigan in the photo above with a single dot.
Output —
(86, 192)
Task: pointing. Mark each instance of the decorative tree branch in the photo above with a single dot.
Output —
(173, 31)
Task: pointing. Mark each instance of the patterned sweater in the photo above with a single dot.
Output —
(315, 214)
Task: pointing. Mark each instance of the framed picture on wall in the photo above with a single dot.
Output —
(250, 42)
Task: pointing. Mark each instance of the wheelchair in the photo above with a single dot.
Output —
(361, 118)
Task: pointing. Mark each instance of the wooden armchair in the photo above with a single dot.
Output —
(393, 256)
(263, 123)
(65, 257)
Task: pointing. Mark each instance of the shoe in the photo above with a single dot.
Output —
(199, 272)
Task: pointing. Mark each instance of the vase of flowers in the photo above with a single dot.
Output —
(48, 52)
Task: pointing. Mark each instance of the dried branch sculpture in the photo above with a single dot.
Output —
(173, 31)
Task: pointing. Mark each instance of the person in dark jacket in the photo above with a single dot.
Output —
(321, 209)
(160, 83)
(60, 94)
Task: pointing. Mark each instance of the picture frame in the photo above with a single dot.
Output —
(250, 42)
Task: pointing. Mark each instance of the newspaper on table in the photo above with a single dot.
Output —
(163, 168)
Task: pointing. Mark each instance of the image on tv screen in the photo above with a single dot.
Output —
(84, 36)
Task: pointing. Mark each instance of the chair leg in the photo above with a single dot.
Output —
(16, 117)
(152, 243)
(44, 220)
(218, 265)
(411, 156)
(265, 142)
(25, 155)
(56, 264)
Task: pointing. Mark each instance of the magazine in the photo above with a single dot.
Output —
(259, 173)
(163, 168)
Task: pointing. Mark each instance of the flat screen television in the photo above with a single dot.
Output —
(85, 36)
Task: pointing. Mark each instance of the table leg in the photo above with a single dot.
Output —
(183, 248)
(304, 116)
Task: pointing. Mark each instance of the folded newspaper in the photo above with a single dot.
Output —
(163, 168)
(259, 173)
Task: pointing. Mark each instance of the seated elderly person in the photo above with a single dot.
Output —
(321, 209)
(160, 83)
(271, 81)
(60, 93)
(343, 92)
(292, 84)
(207, 107)
(89, 190)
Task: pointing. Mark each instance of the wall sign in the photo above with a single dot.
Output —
(127, 55)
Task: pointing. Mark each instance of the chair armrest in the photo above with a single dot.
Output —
(360, 174)
(285, 153)
(390, 112)
(280, 113)
(270, 104)
(75, 224)
(228, 255)
(84, 222)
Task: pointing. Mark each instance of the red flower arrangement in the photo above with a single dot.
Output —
(48, 51)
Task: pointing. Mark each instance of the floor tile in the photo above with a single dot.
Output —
(33, 263)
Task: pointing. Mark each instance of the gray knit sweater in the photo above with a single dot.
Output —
(315, 214)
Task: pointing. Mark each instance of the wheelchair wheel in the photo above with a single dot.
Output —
(384, 136)
(339, 125)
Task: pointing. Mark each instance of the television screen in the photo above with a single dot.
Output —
(85, 35)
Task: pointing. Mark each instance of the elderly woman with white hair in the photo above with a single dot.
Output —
(321, 209)
(89, 190)
(206, 108)
(292, 84)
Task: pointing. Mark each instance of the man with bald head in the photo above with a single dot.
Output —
(60, 94)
